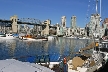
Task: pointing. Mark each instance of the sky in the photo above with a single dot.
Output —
(52, 9)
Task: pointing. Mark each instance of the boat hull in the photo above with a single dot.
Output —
(7, 38)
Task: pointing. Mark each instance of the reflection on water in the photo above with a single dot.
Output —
(61, 47)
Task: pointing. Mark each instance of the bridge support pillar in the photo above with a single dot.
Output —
(14, 24)
(45, 31)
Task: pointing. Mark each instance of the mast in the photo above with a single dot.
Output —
(96, 6)
(100, 8)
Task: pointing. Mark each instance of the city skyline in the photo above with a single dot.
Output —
(53, 10)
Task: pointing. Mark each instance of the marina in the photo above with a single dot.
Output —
(34, 45)
(51, 54)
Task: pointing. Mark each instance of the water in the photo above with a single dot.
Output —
(26, 50)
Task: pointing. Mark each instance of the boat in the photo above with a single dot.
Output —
(73, 37)
(22, 38)
(33, 38)
(7, 36)
(83, 37)
(16, 35)
(49, 61)
(84, 62)
(26, 37)
(51, 37)
(12, 65)
(2, 35)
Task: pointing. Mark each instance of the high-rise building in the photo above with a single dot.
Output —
(73, 22)
(63, 21)
(94, 24)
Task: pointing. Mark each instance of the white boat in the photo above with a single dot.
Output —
(50, 37)
(33, 39)
(7, 36)
(22, 38)
(96, 39)
(12, 65)
(2, 35)
(73, 37)
(89, 62)
(83, 38)
(51, 64)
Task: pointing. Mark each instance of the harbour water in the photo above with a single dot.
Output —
(56, 49)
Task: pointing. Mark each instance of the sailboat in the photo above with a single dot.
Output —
(84, 62)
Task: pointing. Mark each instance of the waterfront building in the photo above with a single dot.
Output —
(63, 25)
(19, 28)
(94, 24)
(61, 30)
(5, 29)
(26, 29)
(58, 29)
(68, 31)
(73, 29)
(63, 21)
(77, 31)
(82, 31)
(8, 29)
(73, 22)
(71, 32)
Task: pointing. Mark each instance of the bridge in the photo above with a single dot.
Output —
(14, 21)
(28, 21)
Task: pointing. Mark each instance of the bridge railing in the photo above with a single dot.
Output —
(29, 21)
